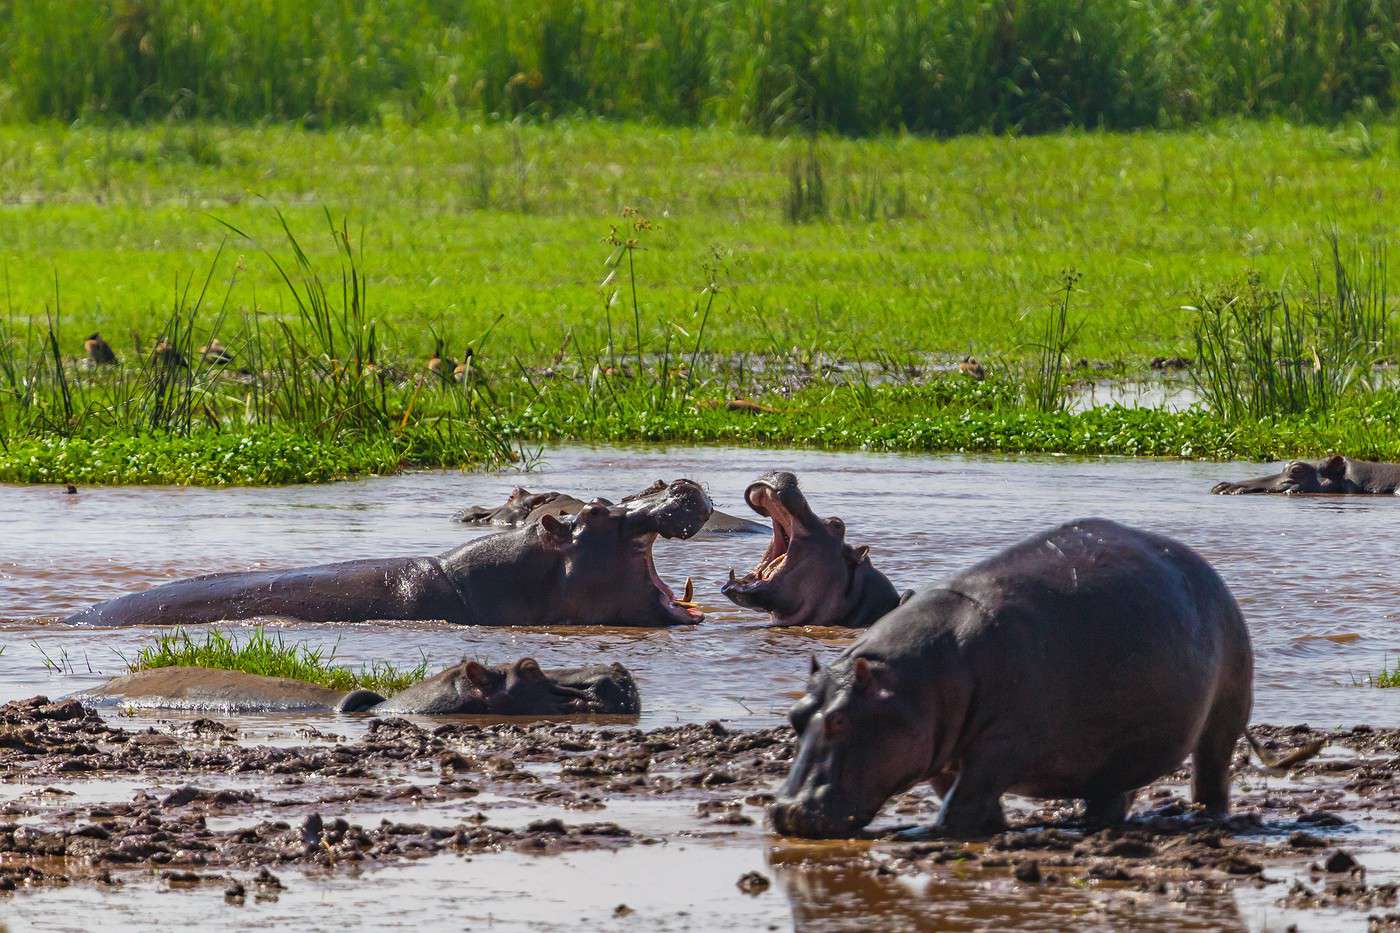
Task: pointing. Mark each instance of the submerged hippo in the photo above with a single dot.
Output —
(593, 569)
(1335, 475)
(523, 507)
(1086, 661)
(519, 689)
(808, 575)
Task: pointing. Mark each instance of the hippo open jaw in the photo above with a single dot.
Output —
(682, 610)
(762, 500)
(680, 513)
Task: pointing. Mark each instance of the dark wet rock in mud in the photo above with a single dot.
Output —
(1027, 872)
(1340, 861)
(753, 883)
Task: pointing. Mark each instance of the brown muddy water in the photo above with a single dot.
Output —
(1316, 578)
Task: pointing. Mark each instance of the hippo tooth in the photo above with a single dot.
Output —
(689, 590)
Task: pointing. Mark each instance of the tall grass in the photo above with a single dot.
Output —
(1278, 351)
(1046, 378)
(853, 66)
(270, 656)
(315, 373)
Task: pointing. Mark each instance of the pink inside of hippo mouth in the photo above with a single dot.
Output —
(761, 498)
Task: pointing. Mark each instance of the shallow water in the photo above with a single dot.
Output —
(1315, 578)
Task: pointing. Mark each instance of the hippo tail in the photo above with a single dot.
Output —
(359, 701)
(1289, 759)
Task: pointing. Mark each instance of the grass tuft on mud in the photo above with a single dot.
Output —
(268, 655)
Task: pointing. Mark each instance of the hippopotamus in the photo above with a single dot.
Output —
(594, 568)
(523, 507)
(809, 575)
(519, 689)
(1083, 662)
(1336, 475)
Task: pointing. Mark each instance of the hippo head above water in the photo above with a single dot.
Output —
(521, 507)
(1297, 477)
(603, 556)
(808, 575)
(519, 689)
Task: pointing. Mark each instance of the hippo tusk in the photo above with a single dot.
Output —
(689, 591)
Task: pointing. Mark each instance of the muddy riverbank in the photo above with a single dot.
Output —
(193, 810)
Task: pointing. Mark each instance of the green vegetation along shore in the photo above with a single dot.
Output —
(268, 655)
(754, 291)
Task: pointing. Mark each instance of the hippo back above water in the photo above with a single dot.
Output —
(1084, 662)
(1333, 476)
(519, 689)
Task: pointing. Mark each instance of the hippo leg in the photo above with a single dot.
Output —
(1100, 812)
(972, 805)
(1210, 760)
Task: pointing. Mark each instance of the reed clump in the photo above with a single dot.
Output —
(269, 655)
(1264, 351)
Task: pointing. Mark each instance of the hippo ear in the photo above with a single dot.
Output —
(529, 668)
(554, 529)
(478, 674)
(837, 526)
(519, 492)
(906, 596)
(861, 674)
(1334, 467)
(855, 556)
(815, 666)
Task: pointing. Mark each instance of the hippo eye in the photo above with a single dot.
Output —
(835, 724)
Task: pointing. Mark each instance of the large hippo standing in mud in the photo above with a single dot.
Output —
(519, 689)
(1335, 475)
(595, 568)
(522, 507)
(1084, 662)
(808, 575)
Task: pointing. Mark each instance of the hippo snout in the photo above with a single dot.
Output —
(818, 815)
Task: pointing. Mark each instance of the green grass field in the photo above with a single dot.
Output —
(927, 245)
(507, 238)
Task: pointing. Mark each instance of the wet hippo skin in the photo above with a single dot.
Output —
(594, 568)
(808, 575)
(518, 689)
(1084, 662)
(1333, 476)
(523, 507)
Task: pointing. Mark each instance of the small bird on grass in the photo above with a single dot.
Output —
(216, 354)
(970, 367)
(462, 372)
(166, 355)
(99, 353)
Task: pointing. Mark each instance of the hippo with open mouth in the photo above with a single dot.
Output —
(594, 568)
(519, 689)
(1334, 476)
(808, 575)
(522, 507)
(1084, 662)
